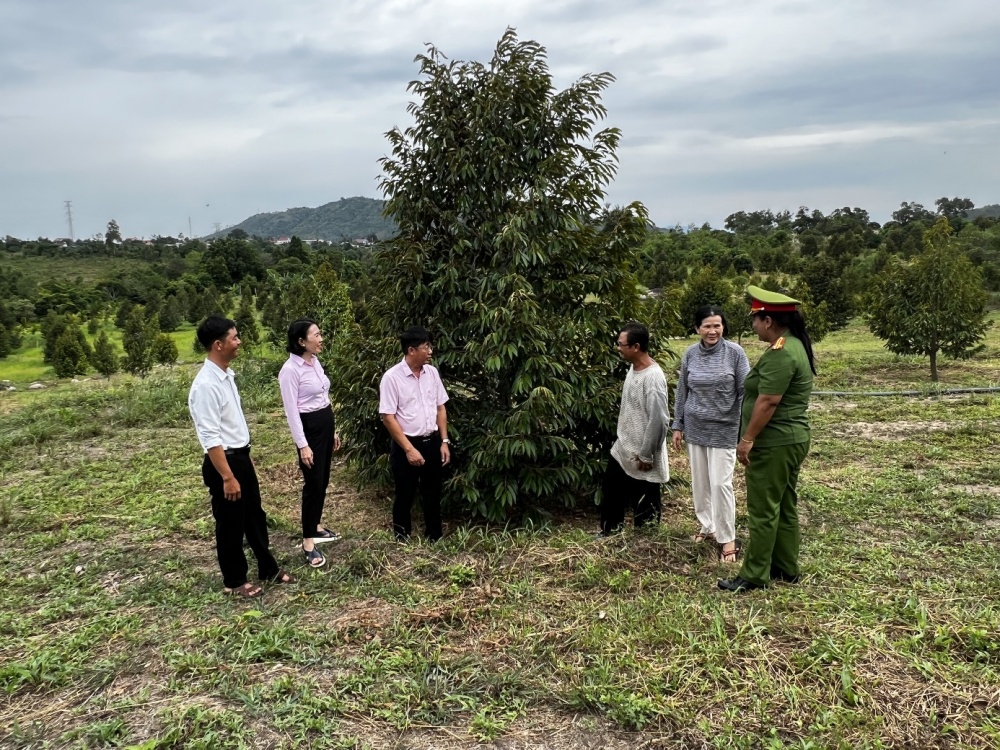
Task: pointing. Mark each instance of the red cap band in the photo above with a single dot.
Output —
(757, 306)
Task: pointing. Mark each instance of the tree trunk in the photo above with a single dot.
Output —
(934, 372)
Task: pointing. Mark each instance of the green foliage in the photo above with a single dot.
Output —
(705, 287)
(298, 249)
(909, 213)
(171, 314)
(507, 254)
(817, 314)
(52, 327)
(664, 258)
(65, 297)
(320, 296)
(201, 304)
(10, 331)
(16, 309)
(934, 304)
(230, 260)
(825, 279)
(137, 341)
(246, 321)
(164, 350)
(10, 339)
(104, 358)
(114, 235)
(70, 352)
(954, 208)
(662, 315)
(754, 222)
(845, 246)
(124, 310)
(737, 315)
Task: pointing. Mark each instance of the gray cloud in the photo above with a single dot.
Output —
(147, 112)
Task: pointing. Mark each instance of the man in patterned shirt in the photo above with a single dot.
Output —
(638, 463)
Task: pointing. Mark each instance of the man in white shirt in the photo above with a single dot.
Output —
(638, 463)
(228, 471)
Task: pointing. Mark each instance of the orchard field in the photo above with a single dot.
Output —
(114, 633)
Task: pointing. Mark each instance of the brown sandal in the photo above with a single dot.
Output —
(732, 555)
(246, 591)
(282, 577)
(700, 537)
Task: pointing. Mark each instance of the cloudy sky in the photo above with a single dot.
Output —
(157, 113)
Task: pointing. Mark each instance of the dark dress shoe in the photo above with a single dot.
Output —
(777, 574)
(737, 585)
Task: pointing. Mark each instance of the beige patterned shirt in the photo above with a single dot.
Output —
(643, 423)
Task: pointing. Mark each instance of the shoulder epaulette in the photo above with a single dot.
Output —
(780, 343)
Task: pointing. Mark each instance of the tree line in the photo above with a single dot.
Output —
(842, 265)
(164, 285)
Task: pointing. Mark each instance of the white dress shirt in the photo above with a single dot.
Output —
(214, 403)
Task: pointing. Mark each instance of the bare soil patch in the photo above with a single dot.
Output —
(890, 431)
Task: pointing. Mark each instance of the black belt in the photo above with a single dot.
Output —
(421, 439)
(238, 451)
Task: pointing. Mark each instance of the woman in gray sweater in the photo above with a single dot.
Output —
(707, 417)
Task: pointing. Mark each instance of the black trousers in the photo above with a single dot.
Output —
(409, 479)
(622, 492)
(236, 519)
(319, 429)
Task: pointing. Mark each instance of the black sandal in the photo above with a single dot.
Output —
(314, 558)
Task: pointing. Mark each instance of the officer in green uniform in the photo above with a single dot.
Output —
(774, 440)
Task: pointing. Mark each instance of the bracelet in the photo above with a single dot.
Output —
(744, 440)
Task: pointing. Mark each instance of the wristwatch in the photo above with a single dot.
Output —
(446, 441)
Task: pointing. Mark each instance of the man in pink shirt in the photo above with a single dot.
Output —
(411, 402)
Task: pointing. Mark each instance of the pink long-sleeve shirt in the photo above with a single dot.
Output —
(304, 388)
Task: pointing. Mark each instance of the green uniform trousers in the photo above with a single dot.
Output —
(771, 508)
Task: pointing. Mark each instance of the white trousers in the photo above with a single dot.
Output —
(712, 490)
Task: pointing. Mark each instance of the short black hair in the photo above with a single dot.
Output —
(212, 329)
(297, 330)
(707, 311)
(636, 333)
(413, 337)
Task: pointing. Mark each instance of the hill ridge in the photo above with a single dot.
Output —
(347, 218)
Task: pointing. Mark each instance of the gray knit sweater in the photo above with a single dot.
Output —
(709, 393)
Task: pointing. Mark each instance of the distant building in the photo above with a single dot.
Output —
(282, 240)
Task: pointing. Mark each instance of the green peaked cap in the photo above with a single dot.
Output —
(765, 301)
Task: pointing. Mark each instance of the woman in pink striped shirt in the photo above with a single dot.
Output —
(305, 393)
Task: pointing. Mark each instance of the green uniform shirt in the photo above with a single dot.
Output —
(782, 370)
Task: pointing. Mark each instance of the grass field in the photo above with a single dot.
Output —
(113, 631)
(89, 270)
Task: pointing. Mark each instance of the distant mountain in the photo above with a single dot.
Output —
(991, 211)
(348, 218)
